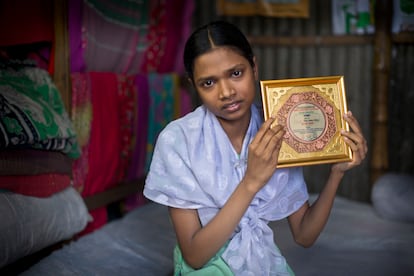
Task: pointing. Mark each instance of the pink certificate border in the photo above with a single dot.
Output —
(311, 97)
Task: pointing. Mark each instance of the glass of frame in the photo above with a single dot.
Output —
(311, 110)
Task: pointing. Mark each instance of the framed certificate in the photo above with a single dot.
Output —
(311, 110)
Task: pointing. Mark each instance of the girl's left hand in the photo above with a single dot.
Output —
(356, 140)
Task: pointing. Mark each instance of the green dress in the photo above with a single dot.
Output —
(215, 267)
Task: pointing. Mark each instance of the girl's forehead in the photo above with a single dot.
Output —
(223, 51)
(218, 59)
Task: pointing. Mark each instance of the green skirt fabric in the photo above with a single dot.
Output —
(215, 267)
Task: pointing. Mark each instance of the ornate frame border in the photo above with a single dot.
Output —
(312, 111)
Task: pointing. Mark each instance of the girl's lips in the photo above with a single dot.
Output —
(234, 106)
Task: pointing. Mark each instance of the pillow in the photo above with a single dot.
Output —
(393, 196)
(33, 114)
(29, 224)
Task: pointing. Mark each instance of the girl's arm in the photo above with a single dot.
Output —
(307, 223)
(199, 244)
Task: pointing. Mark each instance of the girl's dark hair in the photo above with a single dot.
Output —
(215, 34)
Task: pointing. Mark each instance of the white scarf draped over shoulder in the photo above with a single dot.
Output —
(195, 166)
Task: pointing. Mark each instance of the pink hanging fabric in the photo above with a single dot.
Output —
(76, 43)
(127, 106)
(103, 107)
(132, 37)
(156, 37)
(115, 35)
(136, 168)
(140, 128)
(178, 27)
(132, 40)
(104, 147)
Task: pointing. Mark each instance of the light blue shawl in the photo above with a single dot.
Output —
(195, 166)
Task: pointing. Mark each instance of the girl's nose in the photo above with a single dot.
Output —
(226, 90)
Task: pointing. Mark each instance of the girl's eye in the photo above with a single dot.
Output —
(208, 83)
(237, 73)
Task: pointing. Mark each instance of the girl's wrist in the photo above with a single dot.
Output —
(249, 187)
(337, 173)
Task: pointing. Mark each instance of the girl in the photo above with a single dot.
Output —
(216, 168)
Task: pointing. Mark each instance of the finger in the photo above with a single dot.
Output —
(359, 150)
(353, 122)
(271, 139)
(262, 130)
(279, 140)
(357, 138)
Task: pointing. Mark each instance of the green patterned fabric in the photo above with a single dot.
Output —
(32, 114)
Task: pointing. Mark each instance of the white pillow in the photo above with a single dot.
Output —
(393, 196)
(29, 224)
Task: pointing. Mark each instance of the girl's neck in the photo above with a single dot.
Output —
(236, 131)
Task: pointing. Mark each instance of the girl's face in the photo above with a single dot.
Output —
(225, 82)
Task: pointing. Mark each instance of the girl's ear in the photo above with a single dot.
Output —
(255, 69)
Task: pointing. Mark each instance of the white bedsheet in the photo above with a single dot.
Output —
(356, 241)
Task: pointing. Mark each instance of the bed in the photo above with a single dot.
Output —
(356, 241)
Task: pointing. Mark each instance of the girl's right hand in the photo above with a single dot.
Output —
(263, 154)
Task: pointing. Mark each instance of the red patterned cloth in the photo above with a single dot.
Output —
(104, 147)
(127, 105)
(129, 37)
(103, 115)
(42, 185)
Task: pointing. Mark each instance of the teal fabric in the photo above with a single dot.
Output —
(161, 111)
(215, 267)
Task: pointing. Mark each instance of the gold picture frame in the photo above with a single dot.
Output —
(311, 110)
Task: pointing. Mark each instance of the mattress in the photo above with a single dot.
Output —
(355, 241)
